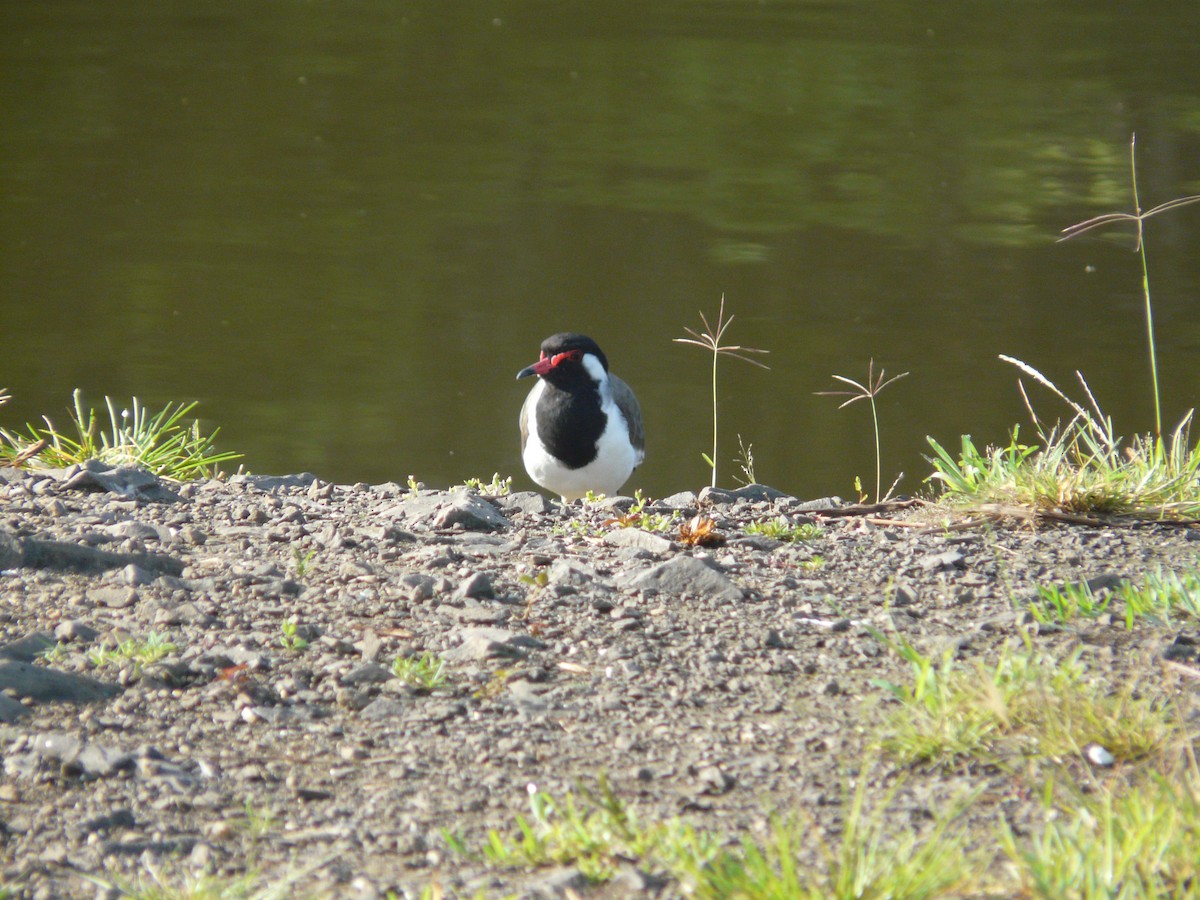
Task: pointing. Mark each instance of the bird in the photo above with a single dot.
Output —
(581, 426)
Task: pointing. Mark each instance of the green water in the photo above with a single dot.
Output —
(343, 227)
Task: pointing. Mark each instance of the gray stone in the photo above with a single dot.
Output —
(417, 586)
(62, 556)
(12, 552)
(557, 884)
(28, 648)
(526, 502)
(113, 597)
(752, 492)
(94, 475)
(118, 818)
(948, 559)
(135, 575)
(480, 644)
(470, 513)
(73, 631)
(477, 585)
(368, 673)
(98, 761)
(637, 539)
(681, 500)
(272, 483)
(385, 708)
(571, 572)
(50, 685)
(11, 710)
(687, 575)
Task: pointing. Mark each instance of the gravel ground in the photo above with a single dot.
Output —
(722, 684)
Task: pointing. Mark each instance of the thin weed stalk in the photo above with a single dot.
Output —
(710, 339)
(1138, 217)
(869, 391)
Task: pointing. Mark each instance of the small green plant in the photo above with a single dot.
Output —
(301, 561)
(710, 340)
(425, 672)
(494, 686)
(54, 654)
(1059, 606)
(131, 651)
(869, 391)
(745, 462)
(813, 563)
(637, 517)
(415, 486)
(781, 529)
(290, 638)
(161, 443)
(497, 487)
(257, 821)
(1138, 217)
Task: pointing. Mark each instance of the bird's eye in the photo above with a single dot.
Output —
(571, 355)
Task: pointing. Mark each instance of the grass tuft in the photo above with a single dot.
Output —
(781, 529)
(1080, 468)
(425, 672)
(1027, 705)
(1141, 842)
(162, 443)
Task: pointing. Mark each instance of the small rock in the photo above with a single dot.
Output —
(113, 597)
(477, 585)
(72, 631)
(638, 539)
(471, 514)
(687, 575)
(369, 673)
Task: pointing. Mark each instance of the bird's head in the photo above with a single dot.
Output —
(568, 358)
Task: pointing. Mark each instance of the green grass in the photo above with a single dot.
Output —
(497, 487)
(131, 651)
(1079, 468)
(1027, 705)
(869, 860)
(1055, 605)
(781, 529)
(163, 442)
(1165, 599)
(426, 672)
(596, 832)
(1141, 842)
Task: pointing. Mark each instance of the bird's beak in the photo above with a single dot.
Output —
(541, 367)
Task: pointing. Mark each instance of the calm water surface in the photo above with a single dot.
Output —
(344, 227)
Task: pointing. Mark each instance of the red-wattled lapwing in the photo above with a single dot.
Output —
(581, 427)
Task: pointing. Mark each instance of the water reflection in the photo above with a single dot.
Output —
(342, 228)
